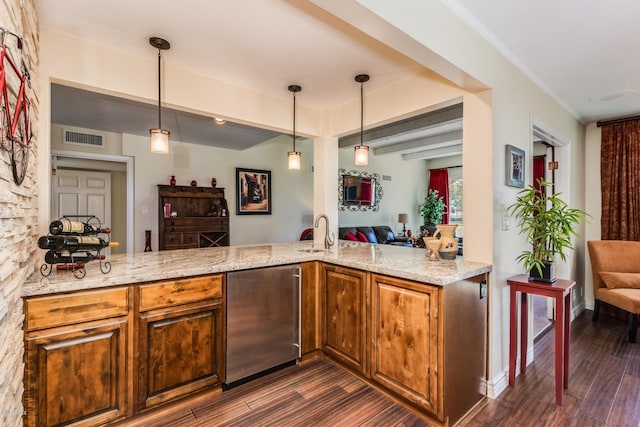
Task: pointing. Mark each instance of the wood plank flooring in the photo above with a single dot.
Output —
(604, 382)
(604, 390)
(316, 393)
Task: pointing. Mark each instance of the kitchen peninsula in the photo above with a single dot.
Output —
(413, 327)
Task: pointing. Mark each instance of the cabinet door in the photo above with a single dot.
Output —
(310, 338)
(345, 302)
(76, 375)
(181, 351)
(405, 335)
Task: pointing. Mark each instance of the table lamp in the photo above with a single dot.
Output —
(403, 218)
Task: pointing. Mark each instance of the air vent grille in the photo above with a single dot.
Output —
(83, 138)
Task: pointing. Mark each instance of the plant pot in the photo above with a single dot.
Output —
(548, 273)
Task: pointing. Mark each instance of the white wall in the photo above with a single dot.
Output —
(402, 194)
(291, 191)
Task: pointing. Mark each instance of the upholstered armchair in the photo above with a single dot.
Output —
(616, 277)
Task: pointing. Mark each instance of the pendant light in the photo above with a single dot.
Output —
(362, 151)
(295, 157)
(159, 136)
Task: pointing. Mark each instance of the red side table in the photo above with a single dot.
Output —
(561, 291)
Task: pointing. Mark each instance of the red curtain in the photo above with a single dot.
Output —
(439, 180)
(620, 181)
(538, 171)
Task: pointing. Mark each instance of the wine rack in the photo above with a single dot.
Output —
(73, 241)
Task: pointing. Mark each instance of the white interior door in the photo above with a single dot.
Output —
(78, 192)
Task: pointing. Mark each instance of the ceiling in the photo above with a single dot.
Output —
(557, 43)
(582, 53)
(97, 111)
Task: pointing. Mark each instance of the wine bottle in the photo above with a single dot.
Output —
(47, 242)
(87, 243)
(55, 257)
(66, 226)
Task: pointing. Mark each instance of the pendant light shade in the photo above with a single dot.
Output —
(159, 136)
(362, 151)
(294, 157)
(159, 141)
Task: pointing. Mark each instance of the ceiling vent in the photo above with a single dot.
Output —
(83, 138)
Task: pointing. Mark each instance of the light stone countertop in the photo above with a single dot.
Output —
(396, 261)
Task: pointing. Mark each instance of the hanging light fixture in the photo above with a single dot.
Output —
(295, 157)
(362, 151)
(159, 137)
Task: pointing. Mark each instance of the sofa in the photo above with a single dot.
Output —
(616, 278)
(377, 234)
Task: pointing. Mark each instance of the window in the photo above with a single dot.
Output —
(455, 195)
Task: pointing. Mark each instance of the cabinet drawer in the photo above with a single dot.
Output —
(173, 292)
(189, 239)
(58, 310)
(173, 239)
(194, 227)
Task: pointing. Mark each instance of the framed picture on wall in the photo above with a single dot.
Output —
(514, 166)
(253, 192)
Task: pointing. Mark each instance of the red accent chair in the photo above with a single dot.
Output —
(307, 234)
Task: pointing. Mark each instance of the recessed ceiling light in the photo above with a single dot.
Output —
(219, 121)
(613, 96)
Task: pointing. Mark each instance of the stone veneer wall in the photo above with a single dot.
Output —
(18, 226)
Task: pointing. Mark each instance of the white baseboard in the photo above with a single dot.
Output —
(498, 384)
(575, 311)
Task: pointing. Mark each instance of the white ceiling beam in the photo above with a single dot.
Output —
(435, 153)
(420, 143)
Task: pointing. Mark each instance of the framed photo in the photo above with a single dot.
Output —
(253, 192)
(514, 166)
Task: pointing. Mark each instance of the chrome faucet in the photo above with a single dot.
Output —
(328, 240)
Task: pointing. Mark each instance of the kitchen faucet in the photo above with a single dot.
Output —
(328, 240)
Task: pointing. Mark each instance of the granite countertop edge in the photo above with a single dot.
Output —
(401, 262)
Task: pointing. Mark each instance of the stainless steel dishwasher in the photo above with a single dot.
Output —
(263, 320)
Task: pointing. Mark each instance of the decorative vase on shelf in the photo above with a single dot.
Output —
(214, 182)
(172, 181)
(448, 242)
(194, 183)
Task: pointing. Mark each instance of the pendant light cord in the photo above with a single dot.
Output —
(159, 93)
(361, 113)
(294, 121)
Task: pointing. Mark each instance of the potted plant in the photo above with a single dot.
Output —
(549, 224)
(432, 210)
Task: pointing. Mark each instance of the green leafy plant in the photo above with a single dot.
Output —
(548, 223)
(433, 208)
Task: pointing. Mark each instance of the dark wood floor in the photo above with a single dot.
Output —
(604, 390)
(604, 382)
(316, 393)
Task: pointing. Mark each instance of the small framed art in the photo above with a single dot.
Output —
(514, 166)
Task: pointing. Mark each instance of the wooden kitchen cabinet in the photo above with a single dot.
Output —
(405, 339)
(429, 342)
(345, 301)
(181, 338)
(77, 365)
(100, 356)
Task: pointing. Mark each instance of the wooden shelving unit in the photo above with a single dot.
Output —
(202, 218)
